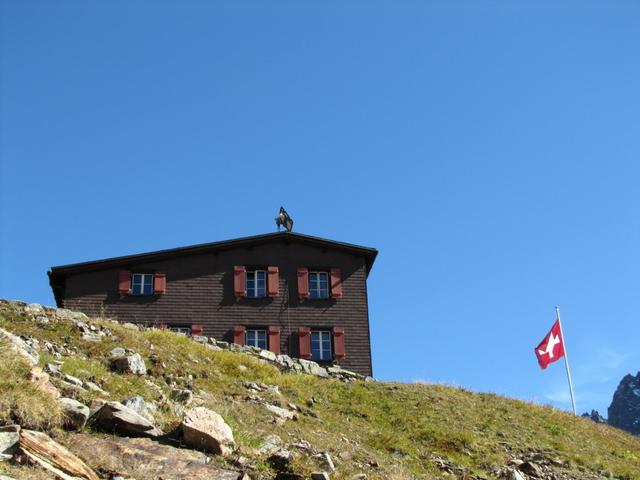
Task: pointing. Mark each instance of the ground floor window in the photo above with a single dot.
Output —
(256, 338)
(181, 330)
(320, 345)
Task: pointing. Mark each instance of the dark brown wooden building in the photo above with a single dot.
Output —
(291, 293)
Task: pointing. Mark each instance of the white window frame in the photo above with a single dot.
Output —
(317, 293)
(325, 354)
(254, 275)
(142, 277)
(256, 331)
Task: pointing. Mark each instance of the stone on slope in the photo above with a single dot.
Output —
(19, 346)
(9, 437)
(75, 413)
(142, 408)
(130, 364)
(204, 429)
(325, 461)
(279, 411)
(40, 449)
(144, 458)
(41, 380)
(319, 476)
(114, 417)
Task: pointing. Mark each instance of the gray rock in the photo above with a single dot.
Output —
(91, 337)
(532, 469)
(19, 346)
(131, 326)
(75, 413)
(76, 382)
(130, 364)
(34, 309)
(118, 352)
(279, 411)
(142, 408)
(42, 319)
(200, 339)
(319, 476)
(516, 475)
(204, 429)
(94, 387)
(313, 368)
(285, 360)
(270, 444)
(324, 460)
(115, 417)
(9, 437)
(280, 459)
(267, 355)
(53, 370)
(6, 477)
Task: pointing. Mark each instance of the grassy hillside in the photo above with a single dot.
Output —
(383, 430)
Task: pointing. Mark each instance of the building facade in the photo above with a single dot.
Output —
(287, 292)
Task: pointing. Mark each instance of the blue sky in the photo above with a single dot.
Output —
(489, 150)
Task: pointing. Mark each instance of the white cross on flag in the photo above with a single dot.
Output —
(551, 348)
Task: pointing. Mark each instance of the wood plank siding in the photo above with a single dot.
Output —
(200, 291)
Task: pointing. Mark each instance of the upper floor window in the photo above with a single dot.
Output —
(256, 283)
(142, 284)
(320, 345)
(256, 338)
(318, 285)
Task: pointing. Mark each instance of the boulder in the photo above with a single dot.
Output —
(114, 417)
(145, 458)
(19, 346)
(9, 437)
(516, 475)
(281, 459)
(141, 407)
(313, 368)
(532, 469)
(267, 355)
(205, 429)
(279, 411)
(118, 352)
(130, 364)
(75, 413)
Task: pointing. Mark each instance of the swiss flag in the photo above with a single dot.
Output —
(551, 348)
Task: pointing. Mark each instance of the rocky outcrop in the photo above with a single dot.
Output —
(145, 458)
(595, 416)
(204, 429)
(21, 347)
(9, 437)
(130, 364)
(624, 411)
(38, 448)
(75, 413)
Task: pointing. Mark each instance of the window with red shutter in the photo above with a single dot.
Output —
(124, 283)
(338, 342)
(239, 280)
(159, 283)
(304, 342)
(273, 281)
(238, 334)
(303, 282)
(336, 283)
(274, 339)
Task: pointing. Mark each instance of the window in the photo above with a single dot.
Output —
(318, 285)
(142, 284)
(256, 338)
(320, 345)
(256, 283)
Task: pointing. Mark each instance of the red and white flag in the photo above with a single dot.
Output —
(551, 348)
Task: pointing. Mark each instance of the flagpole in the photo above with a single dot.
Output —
(566, 360)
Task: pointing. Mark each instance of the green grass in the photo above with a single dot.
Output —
(399, 426)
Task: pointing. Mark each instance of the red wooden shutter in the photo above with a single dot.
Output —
(336, 283)
(273, 281)
(274, 339)
(197, 329)
(124, 284)
(338, 342)
(303, 282)
(304, 342)
(238, 334)
(239, 280)
(159, 283)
